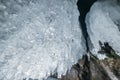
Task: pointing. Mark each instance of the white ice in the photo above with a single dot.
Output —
(38, 37)
(103, 23)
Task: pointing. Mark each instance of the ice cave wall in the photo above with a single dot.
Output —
(41, 37)
(103, 24)
(38, 37)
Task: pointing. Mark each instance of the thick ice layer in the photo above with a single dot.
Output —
(103, 23)
(38, 38)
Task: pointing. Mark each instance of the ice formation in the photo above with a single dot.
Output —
(38, 37)
(103, 23)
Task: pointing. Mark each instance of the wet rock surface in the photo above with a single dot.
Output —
(79, 71)
(114, 65)
(96, 69)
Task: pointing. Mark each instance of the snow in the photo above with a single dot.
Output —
(103, 23)
(38, 37)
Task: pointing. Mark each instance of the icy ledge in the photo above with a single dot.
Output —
(46, 40)
(103, 24)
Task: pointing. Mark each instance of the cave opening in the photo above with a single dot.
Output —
(84, 7)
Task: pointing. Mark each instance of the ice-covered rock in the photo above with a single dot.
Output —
(103, 24)
(38, 37)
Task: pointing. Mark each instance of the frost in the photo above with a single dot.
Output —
(103, 24)
(39, 38)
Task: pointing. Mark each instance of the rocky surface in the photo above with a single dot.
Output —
(96, 69)
(79, 71)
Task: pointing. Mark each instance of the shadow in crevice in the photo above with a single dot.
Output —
(84, 7)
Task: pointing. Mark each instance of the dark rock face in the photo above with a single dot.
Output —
(114, 65)
(94, 69)
(79, 71)
(98, 72)
(84, 5)
(108, 50)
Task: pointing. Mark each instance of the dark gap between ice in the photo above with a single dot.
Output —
(84, 7)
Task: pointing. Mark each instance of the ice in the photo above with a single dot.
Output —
(38, 38)
(103, 23)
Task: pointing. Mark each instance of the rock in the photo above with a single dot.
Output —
(114, 65)
(79, 71)
(108, 50)
(95, 69)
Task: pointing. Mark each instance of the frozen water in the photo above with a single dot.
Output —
(103, 23)
(38, 38)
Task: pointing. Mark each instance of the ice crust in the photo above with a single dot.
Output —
(103, 23)
(38, 38)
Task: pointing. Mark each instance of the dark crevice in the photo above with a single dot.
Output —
(84, 7)
(108, 50)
